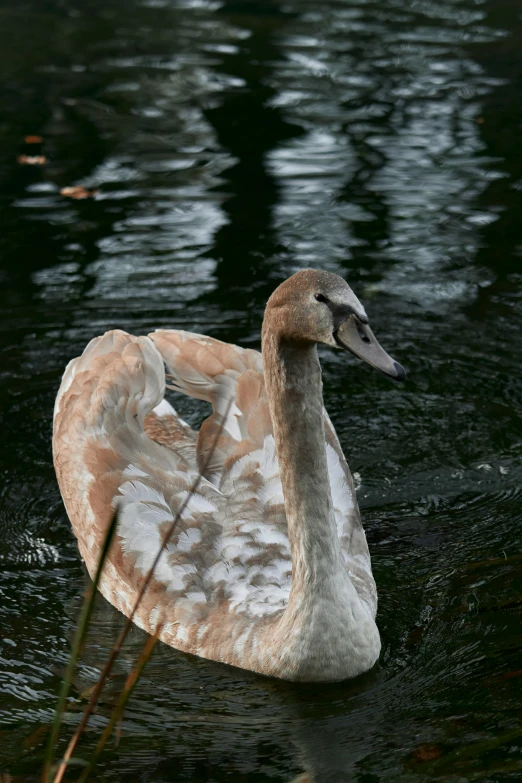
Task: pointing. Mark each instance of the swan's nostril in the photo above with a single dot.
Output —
(362, 332)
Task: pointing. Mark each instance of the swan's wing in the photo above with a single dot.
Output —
(349, 526)
(230, 379)
(255, 536)
(165, 426)
(103, 456)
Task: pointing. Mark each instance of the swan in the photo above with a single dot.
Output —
(268, 568)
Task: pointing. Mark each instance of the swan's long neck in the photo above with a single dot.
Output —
(294, 388)
(326, 632)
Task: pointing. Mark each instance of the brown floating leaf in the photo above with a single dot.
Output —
(510, 675)
(415, 635)
(32, 160)
(77, 191)
(479, 120)
(33, 139)
(87, 692)
(36, 737)
(428, 752)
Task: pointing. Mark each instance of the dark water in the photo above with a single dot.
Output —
(232, 143)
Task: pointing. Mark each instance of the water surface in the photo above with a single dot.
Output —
(230, 144)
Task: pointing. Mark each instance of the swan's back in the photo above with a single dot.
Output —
(226, 572)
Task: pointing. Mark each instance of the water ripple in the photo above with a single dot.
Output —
(227, 144)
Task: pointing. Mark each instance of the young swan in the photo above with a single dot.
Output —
(268, 567)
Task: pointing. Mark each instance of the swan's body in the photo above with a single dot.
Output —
(268, 568)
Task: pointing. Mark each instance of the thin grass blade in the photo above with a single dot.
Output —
(121, 703)
(77, 646)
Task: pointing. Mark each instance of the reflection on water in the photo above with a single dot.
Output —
(231, 143)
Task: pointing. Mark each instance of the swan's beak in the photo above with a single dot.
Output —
(354, 336)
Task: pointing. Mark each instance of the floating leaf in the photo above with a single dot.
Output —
(77, 191)
(33, 139)
(510, 675)
(428, 752)
(87, 692)
(36, 737)
(32, 160)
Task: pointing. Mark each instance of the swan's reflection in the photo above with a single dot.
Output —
(333, 728)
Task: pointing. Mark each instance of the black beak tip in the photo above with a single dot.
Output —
(400, 372)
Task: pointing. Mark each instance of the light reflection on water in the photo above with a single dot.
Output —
(230, 144)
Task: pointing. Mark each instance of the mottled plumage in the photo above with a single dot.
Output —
(223, 588)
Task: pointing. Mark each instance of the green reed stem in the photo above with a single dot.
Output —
(123, 698)
(77, 646)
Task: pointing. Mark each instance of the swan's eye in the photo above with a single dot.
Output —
(321, 298)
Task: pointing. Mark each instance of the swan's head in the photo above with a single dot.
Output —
(320, 307)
